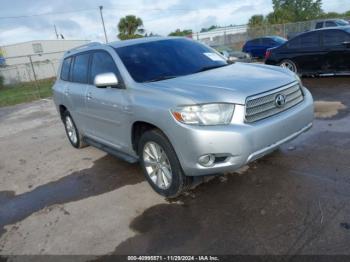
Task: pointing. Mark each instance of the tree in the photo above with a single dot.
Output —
(178, 32)
(256, 20)
(130, 27)
(289, 11)
(297, 10)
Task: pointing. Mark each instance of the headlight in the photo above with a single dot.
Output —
(207, 114)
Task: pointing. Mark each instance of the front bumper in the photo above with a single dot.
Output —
(241, 142)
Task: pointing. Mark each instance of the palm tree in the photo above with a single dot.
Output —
(130, 27)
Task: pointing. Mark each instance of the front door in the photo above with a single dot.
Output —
(107, 108)
(336, 44)
(75, 90)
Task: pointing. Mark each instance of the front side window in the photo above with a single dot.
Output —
(65, 68)
(169, 58)
(80, 68)
(335, 37)
(102, 62)
(330, 24)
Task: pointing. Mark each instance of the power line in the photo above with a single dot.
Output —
(109, 8)
(48, 13)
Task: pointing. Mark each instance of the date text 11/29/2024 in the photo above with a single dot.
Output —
(173, 258)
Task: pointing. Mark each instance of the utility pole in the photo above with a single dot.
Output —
(55, 31)
(35, 80)
(103, 23)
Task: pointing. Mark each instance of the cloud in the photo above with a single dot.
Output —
(159, 16)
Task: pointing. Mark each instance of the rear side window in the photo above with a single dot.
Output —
(255, 41)
(310, 40)
(335, 37)
(294, 43)
(319, 25)
(65, 68)
(80, 68)
(102, 62)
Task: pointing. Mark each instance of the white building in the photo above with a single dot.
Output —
(45, 56)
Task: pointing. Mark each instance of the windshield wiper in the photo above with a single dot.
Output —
(206, 68)
(160, 78)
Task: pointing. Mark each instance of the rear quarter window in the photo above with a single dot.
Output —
(65, 68)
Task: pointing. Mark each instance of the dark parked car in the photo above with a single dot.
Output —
(320, 51)
(257, 47)
(331, 23)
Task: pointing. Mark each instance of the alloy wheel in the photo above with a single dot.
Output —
(289, 65)
(72, 133)
(157, 165)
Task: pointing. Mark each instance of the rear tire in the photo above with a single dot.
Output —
(161, 166)
(289, 64)
(72, 132)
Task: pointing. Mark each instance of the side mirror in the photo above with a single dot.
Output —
(106, 79)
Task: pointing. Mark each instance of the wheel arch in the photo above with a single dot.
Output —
(140, 127)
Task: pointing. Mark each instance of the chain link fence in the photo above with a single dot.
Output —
(236, 36)
(27, 78)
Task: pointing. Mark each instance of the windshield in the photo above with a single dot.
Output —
(169, 58)
(342, 22)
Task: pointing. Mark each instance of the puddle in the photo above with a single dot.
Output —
(328, 109)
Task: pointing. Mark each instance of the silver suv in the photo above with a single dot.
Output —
(177, 107)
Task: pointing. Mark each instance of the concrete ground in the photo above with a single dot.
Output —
(55, 199)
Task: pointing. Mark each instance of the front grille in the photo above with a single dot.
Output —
(264, 106)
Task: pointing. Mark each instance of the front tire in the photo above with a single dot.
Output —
(72, 131)
(160, 165)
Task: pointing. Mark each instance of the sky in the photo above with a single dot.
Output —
(80, 19)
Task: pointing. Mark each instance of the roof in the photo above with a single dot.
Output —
(117, 44)
(141, 41)
(345, 28)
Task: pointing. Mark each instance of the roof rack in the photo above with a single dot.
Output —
(84, 46)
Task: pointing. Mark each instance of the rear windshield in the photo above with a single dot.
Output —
(342, 22)
(163, 59)
(280, 40)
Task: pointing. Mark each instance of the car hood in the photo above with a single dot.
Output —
(229, 84)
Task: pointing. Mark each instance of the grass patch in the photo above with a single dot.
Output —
(25, 92)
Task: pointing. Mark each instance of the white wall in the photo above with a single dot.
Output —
(18, 67)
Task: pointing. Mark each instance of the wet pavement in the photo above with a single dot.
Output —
(294, 201)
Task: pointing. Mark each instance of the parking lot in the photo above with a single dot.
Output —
(55, 199)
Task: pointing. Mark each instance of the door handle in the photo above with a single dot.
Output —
(66, 91)
(89, 96)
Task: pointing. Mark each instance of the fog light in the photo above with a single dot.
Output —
(207, 160)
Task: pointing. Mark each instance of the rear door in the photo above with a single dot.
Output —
(76, 88)
(305, 50)
(107, 107)
(337, 58)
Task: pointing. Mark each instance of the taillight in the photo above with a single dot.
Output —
(267, 54)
